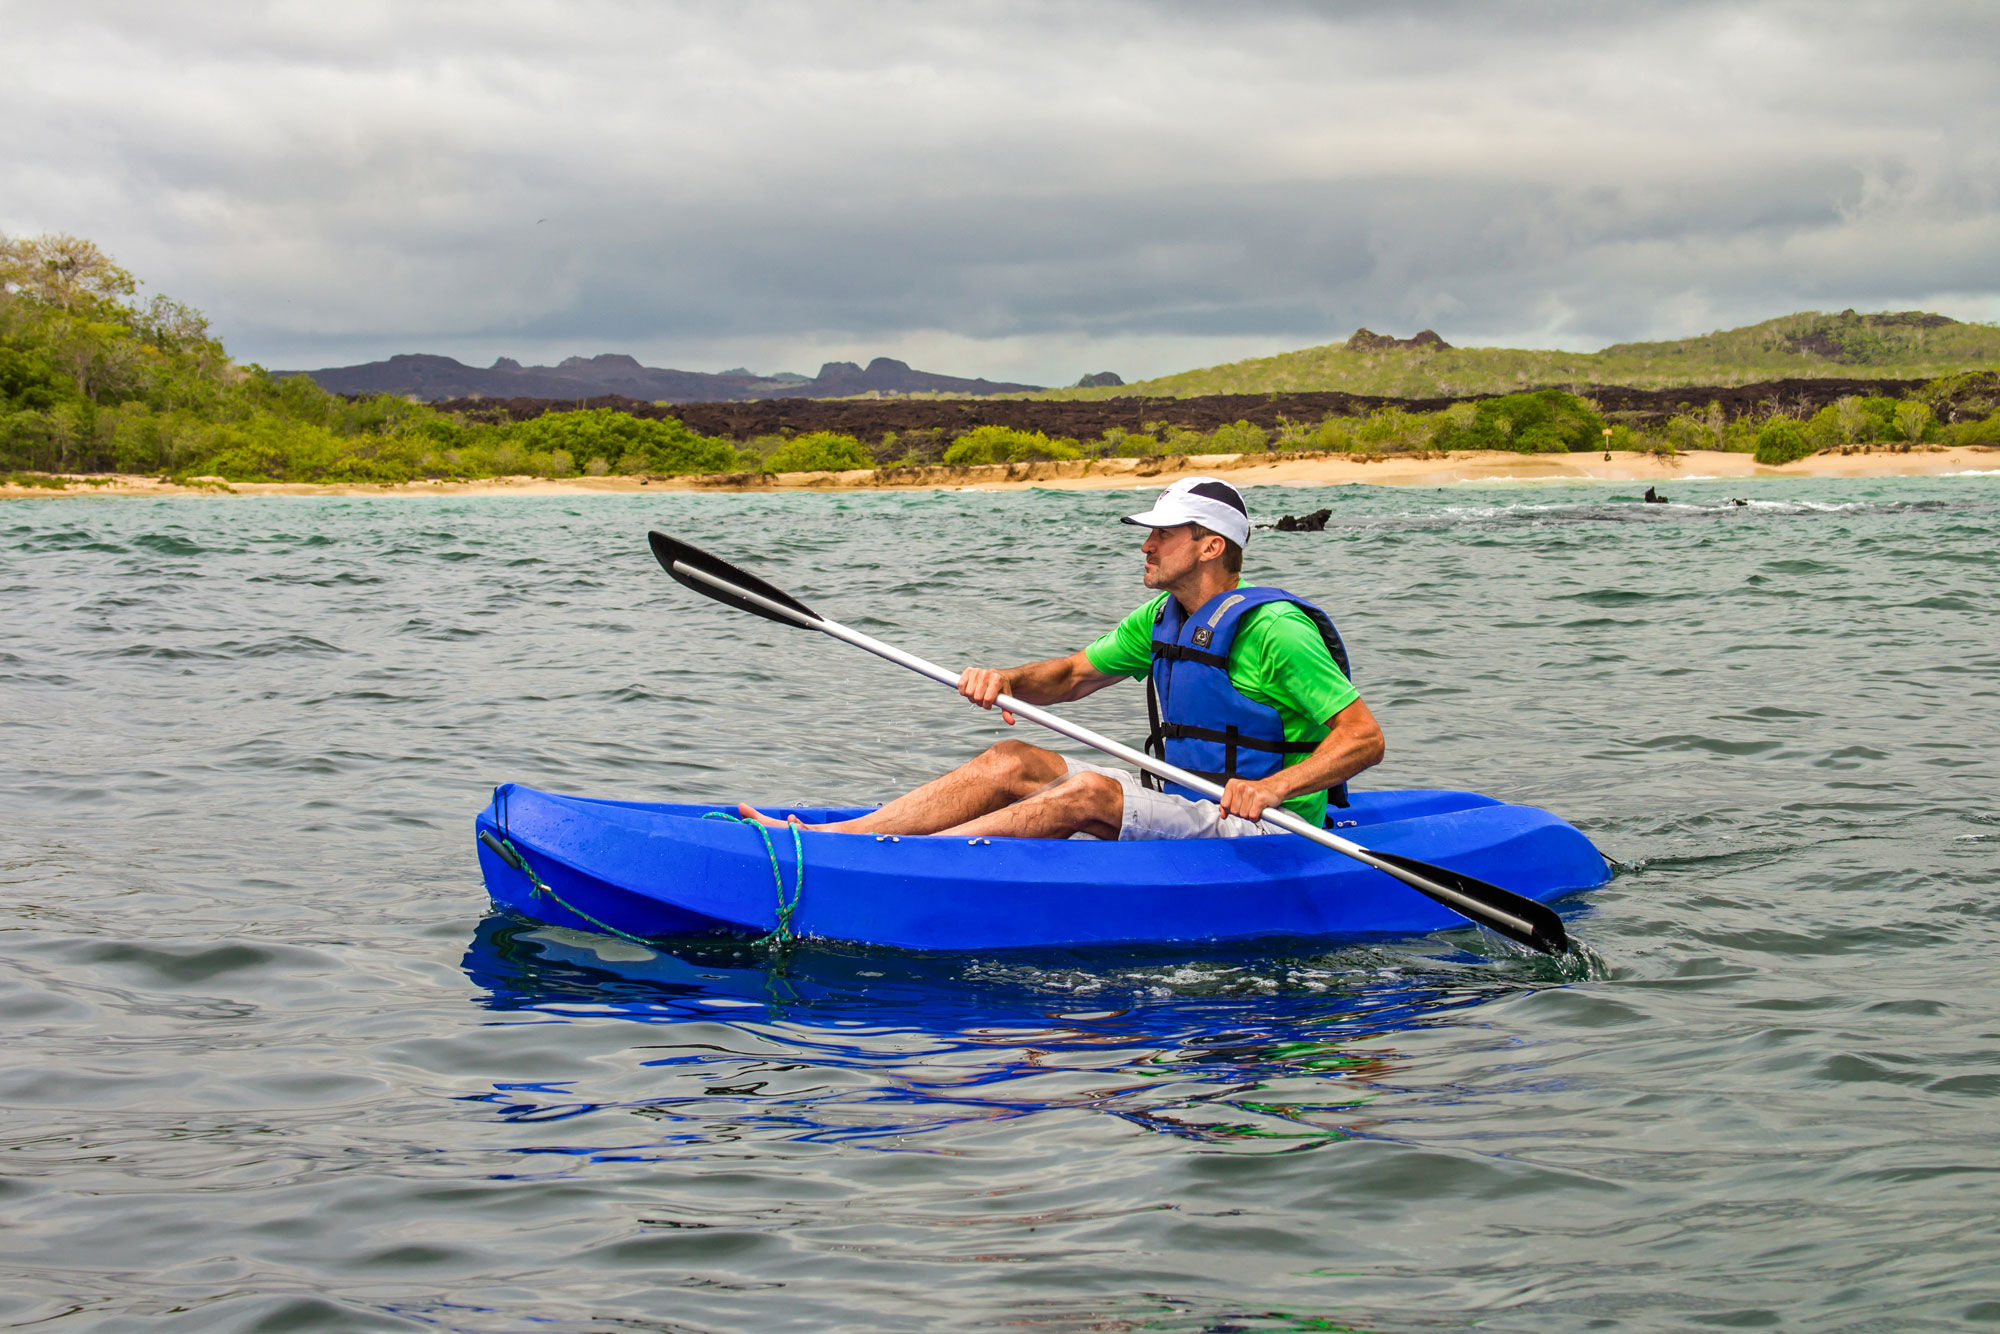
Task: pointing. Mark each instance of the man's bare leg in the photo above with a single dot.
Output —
(1007, 772)
(1083, 803)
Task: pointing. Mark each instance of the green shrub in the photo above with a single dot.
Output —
(1913, 421)
(1548, 421)
(1123, 444)
(1782, 440)
(1004, 444)
(1854, 420)
(1388, 428)
(1740, 436)
(1240, 437)
(1986, 432)
(1698, 430)
(1052, 450)
(818, 451)
(1335, 435)
(656, 444)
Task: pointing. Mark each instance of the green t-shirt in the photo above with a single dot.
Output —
(1277, 659)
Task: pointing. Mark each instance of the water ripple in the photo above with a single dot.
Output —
(273, 1063)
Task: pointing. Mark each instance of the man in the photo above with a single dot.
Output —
(1247, 686)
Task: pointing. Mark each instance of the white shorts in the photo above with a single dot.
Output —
(1150, 814)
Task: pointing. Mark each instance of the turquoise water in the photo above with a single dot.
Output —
(271, 1064)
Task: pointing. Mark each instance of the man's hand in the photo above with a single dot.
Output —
(984, 686)
(1248, 798)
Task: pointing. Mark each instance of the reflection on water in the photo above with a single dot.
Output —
(884, 1047)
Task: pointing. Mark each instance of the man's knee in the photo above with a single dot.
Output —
(1024, 766)
(1092, 797)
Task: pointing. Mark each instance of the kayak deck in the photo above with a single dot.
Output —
(658, 869)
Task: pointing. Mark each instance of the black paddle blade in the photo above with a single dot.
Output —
(1504, 907)
(671, 551)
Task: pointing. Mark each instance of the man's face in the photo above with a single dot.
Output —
(1171, 555)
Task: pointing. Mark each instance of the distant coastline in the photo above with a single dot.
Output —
(130, 399)
(1422, 468)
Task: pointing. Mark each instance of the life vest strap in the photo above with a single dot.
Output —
(1188, 653)
(1230, 737)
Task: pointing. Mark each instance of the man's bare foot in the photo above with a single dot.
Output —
(749, 812)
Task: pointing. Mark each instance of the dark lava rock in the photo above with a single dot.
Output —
(1304, 523)
(1654, 497)
(869, 419)
(1365, 340)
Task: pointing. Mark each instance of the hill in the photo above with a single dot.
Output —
(93, 381)
(434, 379)
(1908, 345)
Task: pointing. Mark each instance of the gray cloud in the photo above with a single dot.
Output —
(1017, 190)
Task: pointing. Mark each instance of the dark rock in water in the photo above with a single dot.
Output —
(1654, 497)
(1303, 523)
(1739, 503)
(1100, 380)
(1366, 340)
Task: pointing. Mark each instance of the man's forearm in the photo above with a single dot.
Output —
(1050, 681)
(1352, 745)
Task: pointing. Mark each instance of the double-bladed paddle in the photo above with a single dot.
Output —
(1512, 915)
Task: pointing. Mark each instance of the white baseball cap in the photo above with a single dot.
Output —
(1208, 501)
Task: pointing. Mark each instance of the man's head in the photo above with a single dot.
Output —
(1195, 521)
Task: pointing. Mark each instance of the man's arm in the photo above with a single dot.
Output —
(1051, 681)
(1353, 743)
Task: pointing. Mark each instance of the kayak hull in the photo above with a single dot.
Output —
(656, 870)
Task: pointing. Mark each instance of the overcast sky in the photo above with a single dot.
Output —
(1016, 190)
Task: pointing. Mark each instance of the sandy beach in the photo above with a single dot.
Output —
(1421, 469)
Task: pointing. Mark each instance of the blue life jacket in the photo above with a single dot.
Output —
(1200, 721)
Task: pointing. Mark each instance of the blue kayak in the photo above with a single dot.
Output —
(652, 869)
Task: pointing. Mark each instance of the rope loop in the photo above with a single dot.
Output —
(780, 935)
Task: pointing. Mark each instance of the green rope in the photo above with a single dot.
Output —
(781, 934)
(542, 887)
(788, 904)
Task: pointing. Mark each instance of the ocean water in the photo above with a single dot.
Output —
(271, 1063)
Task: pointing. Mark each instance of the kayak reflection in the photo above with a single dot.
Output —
(1241, 1050)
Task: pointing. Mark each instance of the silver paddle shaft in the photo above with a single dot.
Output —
(1276, 815)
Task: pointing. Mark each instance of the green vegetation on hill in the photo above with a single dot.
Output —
(92, 382)
(1896, 346)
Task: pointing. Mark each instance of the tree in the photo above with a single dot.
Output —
(1912, 420)
(63, 271)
